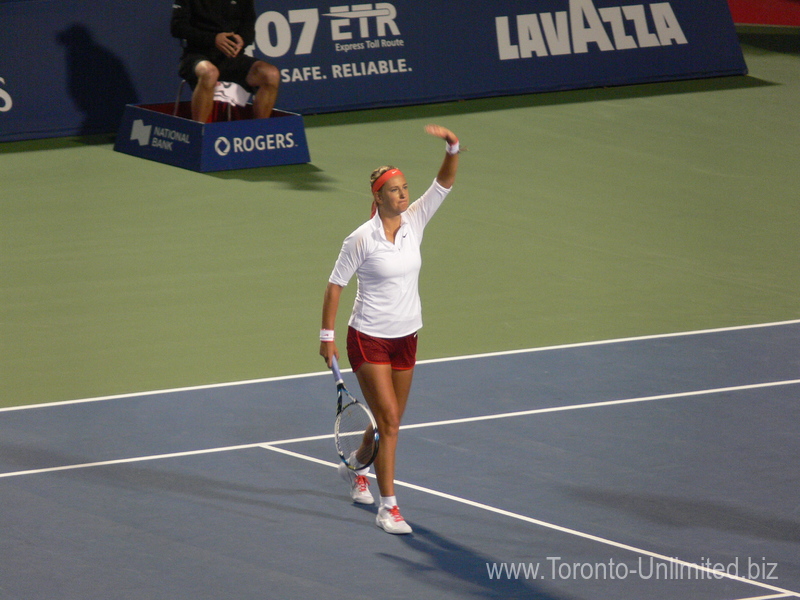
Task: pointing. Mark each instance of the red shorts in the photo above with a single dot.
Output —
(401, 353)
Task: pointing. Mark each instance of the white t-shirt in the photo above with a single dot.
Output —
(387, 302)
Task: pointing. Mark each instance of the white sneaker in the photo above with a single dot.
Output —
(391, 521)
(359, 485)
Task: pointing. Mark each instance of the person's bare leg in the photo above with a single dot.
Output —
(203, 95)
(266, 78)
(386, 392)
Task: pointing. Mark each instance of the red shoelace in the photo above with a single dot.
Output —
(362, 482)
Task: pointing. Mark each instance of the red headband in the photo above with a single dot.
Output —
(384, 178)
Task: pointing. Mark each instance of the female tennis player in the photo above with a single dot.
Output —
(384, 254)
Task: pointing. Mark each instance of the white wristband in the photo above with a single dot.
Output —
(454, 149)
(326, 335)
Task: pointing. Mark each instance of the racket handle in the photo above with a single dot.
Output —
(337, 374)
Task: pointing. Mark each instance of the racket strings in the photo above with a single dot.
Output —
(356, 436)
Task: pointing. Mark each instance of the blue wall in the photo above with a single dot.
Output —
(69, 66)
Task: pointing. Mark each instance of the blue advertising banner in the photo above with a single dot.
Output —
(67, 66)
(366, 55)
(147, 132)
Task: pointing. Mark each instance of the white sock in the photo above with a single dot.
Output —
(354, 460)
(389, 502)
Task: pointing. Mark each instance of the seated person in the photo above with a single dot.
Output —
(214, 34)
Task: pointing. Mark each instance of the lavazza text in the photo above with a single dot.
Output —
(584, 28)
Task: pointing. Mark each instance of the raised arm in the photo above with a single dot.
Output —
(447, 172)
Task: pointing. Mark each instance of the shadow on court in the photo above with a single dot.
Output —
(307, 177)
(481, 105)
(447, 566)
(676, 512)
(26, 456)
(774, 39)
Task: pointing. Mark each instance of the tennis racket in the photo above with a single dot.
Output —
(356, 432)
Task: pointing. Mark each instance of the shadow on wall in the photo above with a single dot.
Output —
(97, 80)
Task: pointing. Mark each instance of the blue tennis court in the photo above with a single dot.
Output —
(659, 467)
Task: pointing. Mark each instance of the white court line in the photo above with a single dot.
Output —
(771, 597)
(783, 593)
(312, 438)
(122, 461)
(536, 411)
(641, 338)
(421, 362)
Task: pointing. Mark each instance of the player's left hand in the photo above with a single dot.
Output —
(441, 132)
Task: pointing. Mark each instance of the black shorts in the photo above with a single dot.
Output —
(230, 69)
